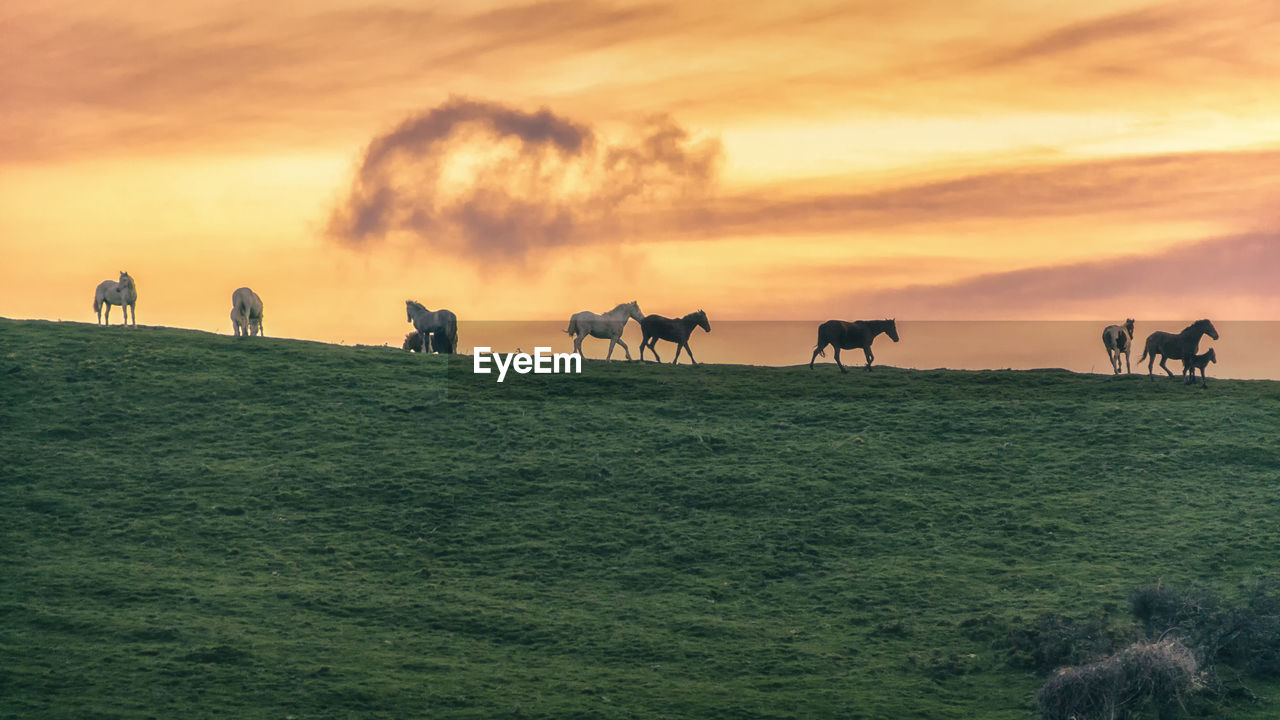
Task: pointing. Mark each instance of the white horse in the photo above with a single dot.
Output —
(608, 326)
(246, 313)
(1118, 339)
(442, 324)
(123, 293)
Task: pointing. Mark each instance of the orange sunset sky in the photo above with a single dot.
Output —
(1011, 159)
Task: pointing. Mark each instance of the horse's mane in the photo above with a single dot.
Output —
(623, 306)
(415, 304)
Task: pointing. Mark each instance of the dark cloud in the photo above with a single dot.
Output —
(480, 178)
(1198, 278)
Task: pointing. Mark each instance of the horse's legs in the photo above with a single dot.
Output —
(870, 357)
(643, 340)
(653, 348)
(690, 351)
(625, 349)
(1163, 360)
(1127, 370)
(677, 359)
(816, 351)
(842, 367)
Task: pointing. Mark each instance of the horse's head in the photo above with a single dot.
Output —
(1128, 326)
(125, 280)
(1206, 327)
(703, 322)
(1213, 355)
(892, 329)
(633, 310)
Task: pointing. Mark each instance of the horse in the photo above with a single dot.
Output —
(1118, 339)
(849, 335)
(657, 327)
(246, 313)
(123, 293)
(237, 326)
(608, 326)
(441, 323)
(1175, 347)
(1200, 361)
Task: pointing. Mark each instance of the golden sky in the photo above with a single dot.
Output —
(1010, 159)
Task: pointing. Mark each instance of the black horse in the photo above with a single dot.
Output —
(1182, 346)
(657, 327)
(439, 342)
(849, 335)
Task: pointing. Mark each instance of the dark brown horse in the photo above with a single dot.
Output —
(657, 327)
(849, 335)
(1182, 346)
(1200, 361)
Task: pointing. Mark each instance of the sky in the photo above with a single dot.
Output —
(921, 159)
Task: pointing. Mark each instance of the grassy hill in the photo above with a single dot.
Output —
(193, 526)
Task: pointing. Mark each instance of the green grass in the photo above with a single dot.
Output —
(195, 526)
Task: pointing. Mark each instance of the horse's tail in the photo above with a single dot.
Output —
(573, 326)
(97, 302)
(820, 349)
(1145, 349)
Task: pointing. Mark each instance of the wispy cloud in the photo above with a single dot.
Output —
(1239, 186)
(1232, 278)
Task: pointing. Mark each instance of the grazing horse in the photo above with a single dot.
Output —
(443, 324)
(608, 326)
(1175, 347)
(1200, 361)
(849, 335)
(246, 313)
(1118, 339)
(656, 327)
(123, 293)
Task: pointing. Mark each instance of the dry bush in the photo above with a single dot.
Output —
(1140, 678)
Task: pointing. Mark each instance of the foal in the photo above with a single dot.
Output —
(1200, 361)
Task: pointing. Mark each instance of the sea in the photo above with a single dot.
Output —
(1246, 350)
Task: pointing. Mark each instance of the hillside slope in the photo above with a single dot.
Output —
(196, 525)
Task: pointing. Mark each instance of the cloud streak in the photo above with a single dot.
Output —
(483, 179)
(1231, 278)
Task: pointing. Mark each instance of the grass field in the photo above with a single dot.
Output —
(196, 526)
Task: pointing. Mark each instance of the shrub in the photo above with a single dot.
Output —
(1140, 678)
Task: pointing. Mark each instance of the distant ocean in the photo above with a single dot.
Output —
(1245, 350)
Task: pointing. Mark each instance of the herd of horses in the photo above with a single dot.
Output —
(1118, 340)
(437, 331)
